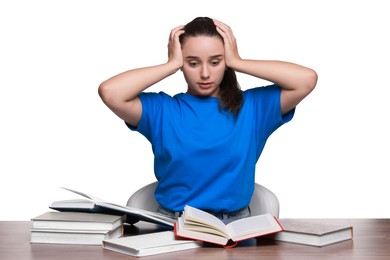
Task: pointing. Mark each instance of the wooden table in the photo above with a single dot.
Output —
(371, 241)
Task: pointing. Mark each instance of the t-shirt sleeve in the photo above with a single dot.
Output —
(150, 122)
(268, 109)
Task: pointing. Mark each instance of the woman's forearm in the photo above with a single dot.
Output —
(288, 75)
(127, 85)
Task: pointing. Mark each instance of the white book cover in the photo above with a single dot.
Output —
(149, 244)
(314, 232)
(74, 237)
(77, 220)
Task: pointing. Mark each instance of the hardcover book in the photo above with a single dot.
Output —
(313, 232)
(74, 237)
(75, 228)
(77, 220)
(149, 244)
(200, 225)
(98, 205)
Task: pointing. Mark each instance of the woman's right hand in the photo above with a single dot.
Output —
(174, 47)
(120, 92)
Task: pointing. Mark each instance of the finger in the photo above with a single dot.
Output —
(218, 21)
(225, 31)
(222, 26)
(227, 35)
(175, 30)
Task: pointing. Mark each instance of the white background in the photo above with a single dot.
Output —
(330, 161)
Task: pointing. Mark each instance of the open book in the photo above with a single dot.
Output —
(200, 225)
(94, 204)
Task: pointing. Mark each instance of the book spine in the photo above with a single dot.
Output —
(277, 220)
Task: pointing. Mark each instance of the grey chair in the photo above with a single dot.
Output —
(263, 200)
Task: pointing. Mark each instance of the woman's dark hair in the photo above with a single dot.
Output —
(231, 94)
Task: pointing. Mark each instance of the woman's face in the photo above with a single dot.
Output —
(204, 65)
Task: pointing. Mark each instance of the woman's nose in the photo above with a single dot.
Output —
(204, 72)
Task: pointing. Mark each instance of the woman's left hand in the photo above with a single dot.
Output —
(230, 43)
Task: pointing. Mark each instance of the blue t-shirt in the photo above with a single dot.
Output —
(204, 156)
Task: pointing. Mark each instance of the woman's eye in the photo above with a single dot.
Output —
(193, 63)
(215, 62)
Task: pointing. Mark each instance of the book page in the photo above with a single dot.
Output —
(74, 203)
(202, 234)
(204, 228)
(138, 213)
(106, 204)
(194, 214)
(253, 226)
(95, 199)
(159, 218)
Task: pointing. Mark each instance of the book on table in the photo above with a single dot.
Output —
(74, 237)
(97, 205)
(75, 228)
(201, 225)
(314, 232)
(149, 244)
(77, 220)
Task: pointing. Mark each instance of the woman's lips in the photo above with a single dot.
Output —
(205, 85)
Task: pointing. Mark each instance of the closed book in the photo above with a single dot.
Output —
(314, 232)
(77, 221)
(68, 236)
(149, 244)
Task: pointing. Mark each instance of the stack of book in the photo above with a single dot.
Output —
(75, 228)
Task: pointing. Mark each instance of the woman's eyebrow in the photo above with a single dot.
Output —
(192, 58)
(211, 57)
(216, 56)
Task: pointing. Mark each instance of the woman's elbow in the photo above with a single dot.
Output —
(311, 80)
(307, 82)
(105, 92)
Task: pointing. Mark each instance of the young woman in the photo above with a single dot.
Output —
(206, 142)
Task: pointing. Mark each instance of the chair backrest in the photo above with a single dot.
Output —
(144, 198)
(263, 200)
